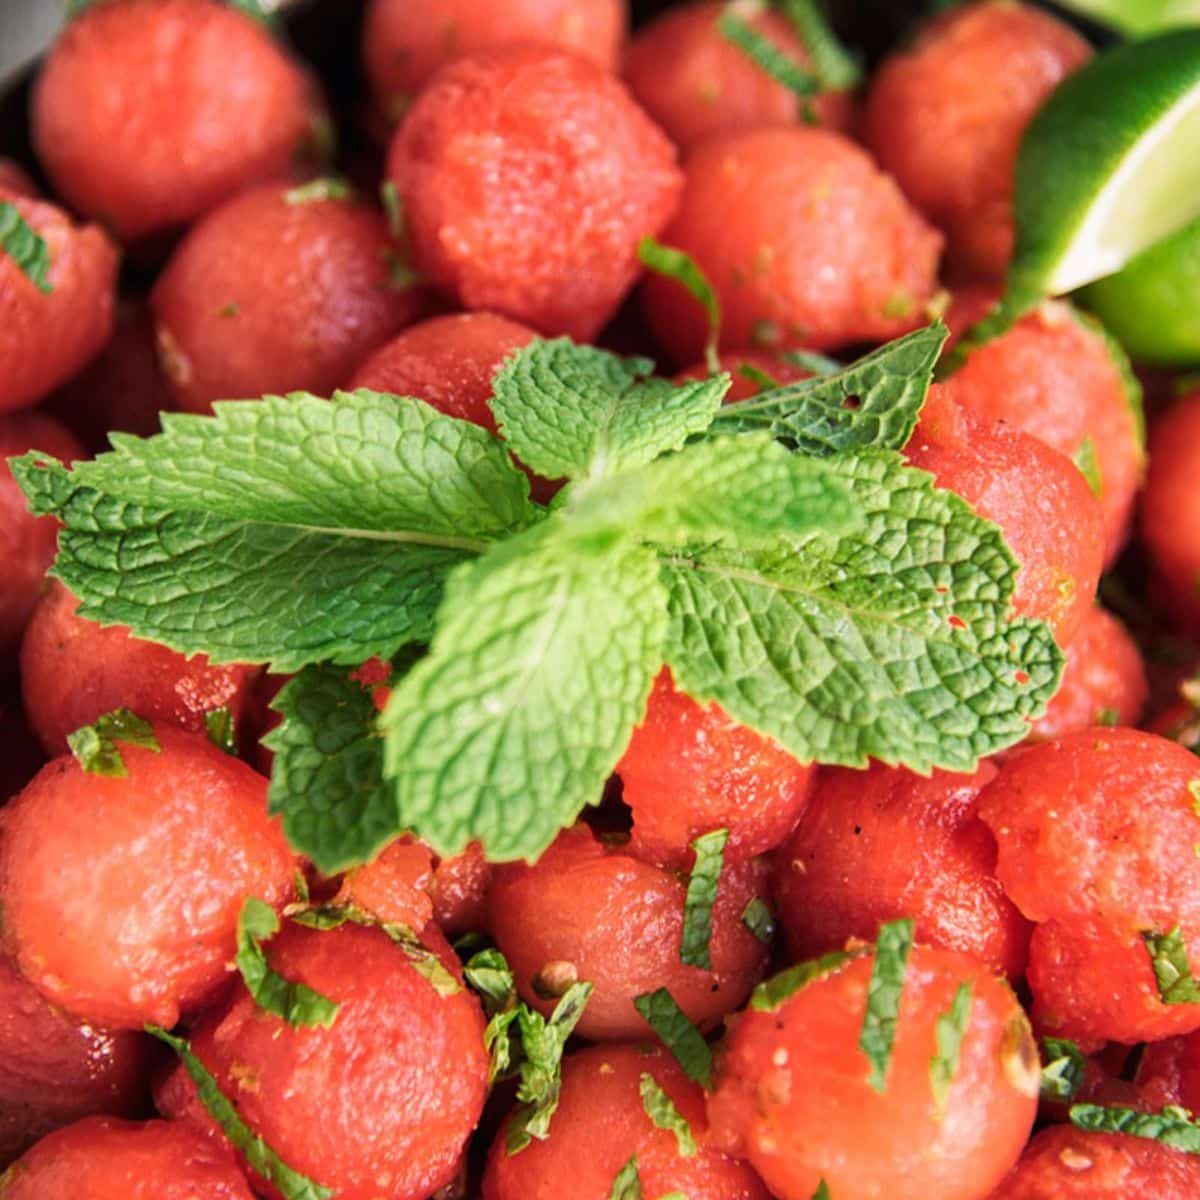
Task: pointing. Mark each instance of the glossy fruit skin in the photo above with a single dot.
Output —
(27, 543)
(45, 339)
(1058, 376)
(14, 178)
(1095, 832)
(793, 1097)
(1064, 1163)
(102, 1158)
(697, 84)
(405, 45)
(54, 1071)
(528, 177)
(121, 895)
(268, 295)
(1105, 676)
(108, 668)
(122, 388)
(448, 362)
(689, 769)
(1049, 516)
(601, 1123)
(805, 240)
(884, 843)
(945, 116)
(1170, 514)
(1169, 1073)
(128, 84)
(380, 1103)
(619, 922)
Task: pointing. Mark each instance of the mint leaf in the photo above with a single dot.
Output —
(681, 1038)
(25, 247)
(261, 1158)
(1089, 465)
(628, 1183)
(538, 673)
(771, 59)
(258, 10)
(490, 977)
(883, 999)
(758, 918)
(327, 780)
(1062, 1076)
(1172, 972)
(221, 729)
(701, 896)
(326, 188)
(540, 1074)
(575, 411)
(296, 1003)
(1172, 1126)
(682, 267)
(660, 1108)
(949, 1031)
(776, 991)
(834, 66)
(239, 591)
(871, 404)
(378, 467)
(892, 641)
(740, 489)
(95, 746)
(822, 1192)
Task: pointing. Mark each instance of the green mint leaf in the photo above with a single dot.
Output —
(871, 404)
(1172, 1126)
(682, 267)
(822, 1192)
(575, 411)
(628, 1183)
(1062, 1076)
(743, 489)
(423, 960)
(820, 365)
(776, 991)
(758, 918)
(1172, 972)
(681, 1038)
(764, 382)
(660, 1108)
(95, 746)
(1108, 716)
(221, 729)
(1089, 465)
(364, 464)
(260, 10)
(262, 1159)
(701, 896)
(393, 207)
(326, 188)
(489, 974)
(883, 999)
(25, 247)
(536, 678)
(834, 65)
(949, 1031)
(327, 779)
(892, 641)
(769, 58)
(540, 1074)
(296, 1003)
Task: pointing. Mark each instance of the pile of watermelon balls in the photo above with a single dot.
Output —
(963, 959)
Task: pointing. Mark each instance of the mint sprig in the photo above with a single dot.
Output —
(25, 247)
(1172, 971)
(774, 554)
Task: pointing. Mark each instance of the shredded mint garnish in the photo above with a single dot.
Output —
(768, 57)
(949, 1031)
(883, 999)
(701, 896)
(1173, 1126)
(660, 1108)
(220, 727)
(1089, 465)
(95, 746)
(682, 267)
(628, 1183)
(757, 918)
(1172, 972)
(326, 188)
(772, 993)
(684, 1041)
(1062, 1076)
(25, 247)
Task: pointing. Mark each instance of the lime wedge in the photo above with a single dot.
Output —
(1152, 307)
(1137, 18)
(1110, 165)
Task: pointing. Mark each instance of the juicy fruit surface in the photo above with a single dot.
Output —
(806, 241)
(127, 85)
(169, 852)
(792, 1092)
(383, 1099)
(528, 178)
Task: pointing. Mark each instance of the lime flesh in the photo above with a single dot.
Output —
(1138, 18)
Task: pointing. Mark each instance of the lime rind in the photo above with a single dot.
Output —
(1108, 166)
(1138, 18)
